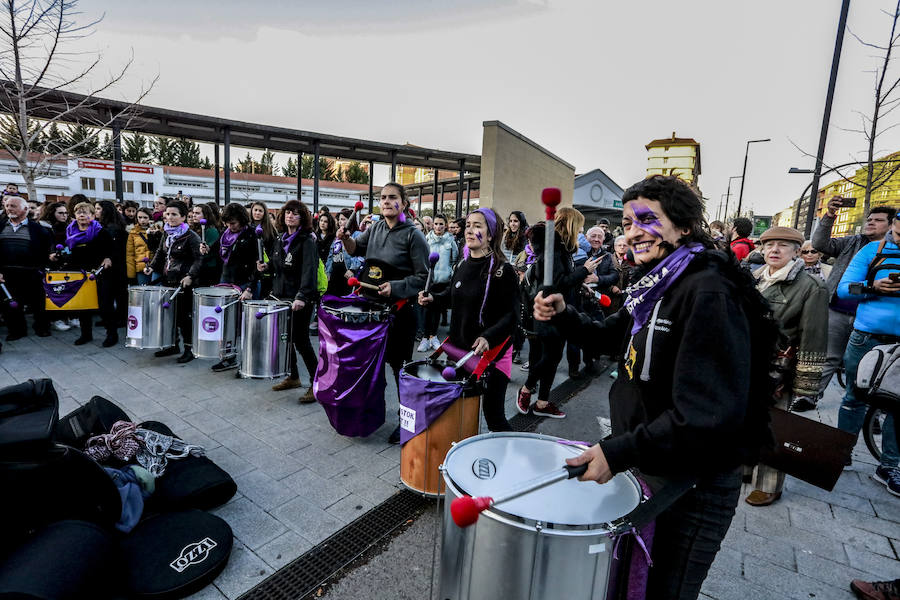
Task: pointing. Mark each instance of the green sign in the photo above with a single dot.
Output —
(760, 224)
(617, 204)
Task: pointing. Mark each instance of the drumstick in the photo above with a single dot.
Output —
(219, 309)
(260, 314)
(550, 197)
(93, 275)
(602, 299)
(12, 303)
(450, 372)
(202, 230)
(433, 259)
(259, 242)
(177, 291)
(465, 509)
(353, 282)
(356, 208)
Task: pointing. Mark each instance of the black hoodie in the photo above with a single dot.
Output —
(683, 411)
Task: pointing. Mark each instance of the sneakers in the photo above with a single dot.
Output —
(890, 477)
(61, 326)
(524, 367)
(435, 343)
(548, 411)
(614, 374)
(424, 345)
(876, 590)
(225, 364)
(170, 351)
(516, 358)
(288, 383)
(523, 402)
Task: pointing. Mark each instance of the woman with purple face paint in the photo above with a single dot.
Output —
(396, 251)
(484, 302)
(680, 408)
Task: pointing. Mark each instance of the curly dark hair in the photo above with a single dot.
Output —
(680, 203)
(299, 207)
(233, 211)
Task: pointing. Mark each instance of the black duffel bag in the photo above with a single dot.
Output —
(28, 415)
(96, 417)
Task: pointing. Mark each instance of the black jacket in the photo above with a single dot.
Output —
(296, 272)
(680, 411)
(183, 258)
(241, 267)
(39, 247)
(88, 256)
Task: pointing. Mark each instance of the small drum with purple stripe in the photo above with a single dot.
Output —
(265, 339)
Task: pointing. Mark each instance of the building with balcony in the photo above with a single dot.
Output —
(675, 156)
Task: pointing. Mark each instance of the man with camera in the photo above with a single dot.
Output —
(873, 280)
(841, 312)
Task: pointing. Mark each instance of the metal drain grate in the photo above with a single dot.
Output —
(302, 577)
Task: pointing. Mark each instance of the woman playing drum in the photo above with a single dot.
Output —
(178, 260)
(89, 246)
(484, 302)
(295, 263)
(394, 242)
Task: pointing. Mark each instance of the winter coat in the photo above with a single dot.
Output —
(445, 246)
(842, 249)
(136, 250)
(295, 271)
(403, 247)
(181, 260)
(241, 267)
(878, 314)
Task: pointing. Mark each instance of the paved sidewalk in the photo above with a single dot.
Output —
(298, 481)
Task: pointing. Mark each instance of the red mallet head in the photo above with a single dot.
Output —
(358, 206)
(550, 198)
(465, 509)
(353, 282)
(604, 300)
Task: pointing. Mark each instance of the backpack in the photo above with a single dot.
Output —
(878, 374)
(321, 278)
(878, 262)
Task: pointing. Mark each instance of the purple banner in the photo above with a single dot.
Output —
(349, 381)
(60, 292)
(421, 402)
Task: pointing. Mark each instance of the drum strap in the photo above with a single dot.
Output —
(646, 512)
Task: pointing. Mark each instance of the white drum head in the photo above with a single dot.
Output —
(494, 464)
(216, 292)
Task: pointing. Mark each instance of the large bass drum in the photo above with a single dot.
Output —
(216, 331)
(556, 542)
(265, 339)
(151, 317)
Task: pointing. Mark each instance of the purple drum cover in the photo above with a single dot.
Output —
(424, 401)
(350, 380)
(60, 293)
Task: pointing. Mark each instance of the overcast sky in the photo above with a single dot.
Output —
(591, 80)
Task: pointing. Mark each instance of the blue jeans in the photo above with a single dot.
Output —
(853, 408)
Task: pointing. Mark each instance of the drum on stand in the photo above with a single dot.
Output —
(265, 339)
(216, 331)
(421, 456)
(556, 542)
(150, 324)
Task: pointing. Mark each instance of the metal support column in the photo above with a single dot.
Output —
(371, 186)
(227, 166)
(216, 170)
(468, 196)
(393, 165)
(316, 180)
(419, 208)
(117, 159)
(434, 204)
(299, 178)
(462, 178)
(442, 197)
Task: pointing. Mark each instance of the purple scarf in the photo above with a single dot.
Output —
(226, 242)
(75, 236)
(647, 291)
(174, 232)
(288, 239)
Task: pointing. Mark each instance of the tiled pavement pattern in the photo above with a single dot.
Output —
(298, 481)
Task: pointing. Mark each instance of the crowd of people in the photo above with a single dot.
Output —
(680, 315)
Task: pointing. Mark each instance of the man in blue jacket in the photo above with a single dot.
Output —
(873, 278)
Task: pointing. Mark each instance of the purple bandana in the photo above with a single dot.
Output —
(60, 292)
(644, 293)
(288, 239)
(174, 232)
(75, 236)
(422, 402)
(226, 242)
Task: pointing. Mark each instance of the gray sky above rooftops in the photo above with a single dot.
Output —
(591, 80)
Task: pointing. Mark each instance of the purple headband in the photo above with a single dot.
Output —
(491, 221)
(489, 218)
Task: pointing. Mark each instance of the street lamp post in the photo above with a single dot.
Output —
(728, 195)
(744, 173)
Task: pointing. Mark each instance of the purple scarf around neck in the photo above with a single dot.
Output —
(649, 289)
(75, 236)
(288, 239)
(174, 232)
(226, 242)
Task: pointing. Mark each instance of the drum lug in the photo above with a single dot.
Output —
(539, 526)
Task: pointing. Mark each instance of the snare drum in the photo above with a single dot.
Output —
(556, 542)
(421, 456)
(150, 325)
(215, 331)
(265, 339)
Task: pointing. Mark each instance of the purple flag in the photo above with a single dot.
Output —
(60, 292)
(423, 401)
(349, 381)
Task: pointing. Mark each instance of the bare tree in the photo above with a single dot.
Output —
(43, 68)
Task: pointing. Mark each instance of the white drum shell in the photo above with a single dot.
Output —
(265, 342)
(507, 556)
(149, 325)
(227, 322)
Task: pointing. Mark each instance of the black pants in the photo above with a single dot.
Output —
(184, 314)
(544, 353)
(300, 339)
(688, 537)
(493, 399)
(434, 310)
(25, 288)
(400, 340)
(107, 303)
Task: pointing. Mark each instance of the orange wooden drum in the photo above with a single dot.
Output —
(421, 456)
